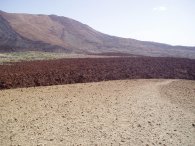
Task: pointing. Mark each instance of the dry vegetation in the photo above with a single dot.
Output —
(7, 58)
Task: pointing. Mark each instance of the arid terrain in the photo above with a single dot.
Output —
(69, 71)
(64, 83)
(128, 112)
(57, 34)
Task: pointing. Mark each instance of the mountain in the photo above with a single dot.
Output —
(51, 33)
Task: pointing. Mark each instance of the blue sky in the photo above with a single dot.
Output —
(165, 21)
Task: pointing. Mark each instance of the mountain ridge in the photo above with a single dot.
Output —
(52, 33)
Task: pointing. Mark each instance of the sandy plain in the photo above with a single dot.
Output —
(123, 112)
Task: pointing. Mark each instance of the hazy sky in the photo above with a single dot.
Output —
(166, 21)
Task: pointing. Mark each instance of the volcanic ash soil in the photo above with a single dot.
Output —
(128, 112)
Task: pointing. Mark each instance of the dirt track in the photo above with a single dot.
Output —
(68, 71)
(128, 112)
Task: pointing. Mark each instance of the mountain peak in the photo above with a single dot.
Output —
(22, 32)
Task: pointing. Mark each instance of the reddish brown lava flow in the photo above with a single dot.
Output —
(68, 71)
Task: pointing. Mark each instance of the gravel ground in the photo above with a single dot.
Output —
(123, 112)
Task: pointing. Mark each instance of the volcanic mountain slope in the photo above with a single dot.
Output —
(51, 33)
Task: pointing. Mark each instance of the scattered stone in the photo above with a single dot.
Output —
(139, 125)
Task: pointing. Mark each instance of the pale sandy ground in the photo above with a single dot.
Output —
(129, 112)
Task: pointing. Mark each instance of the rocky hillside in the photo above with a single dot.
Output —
(51, 33)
